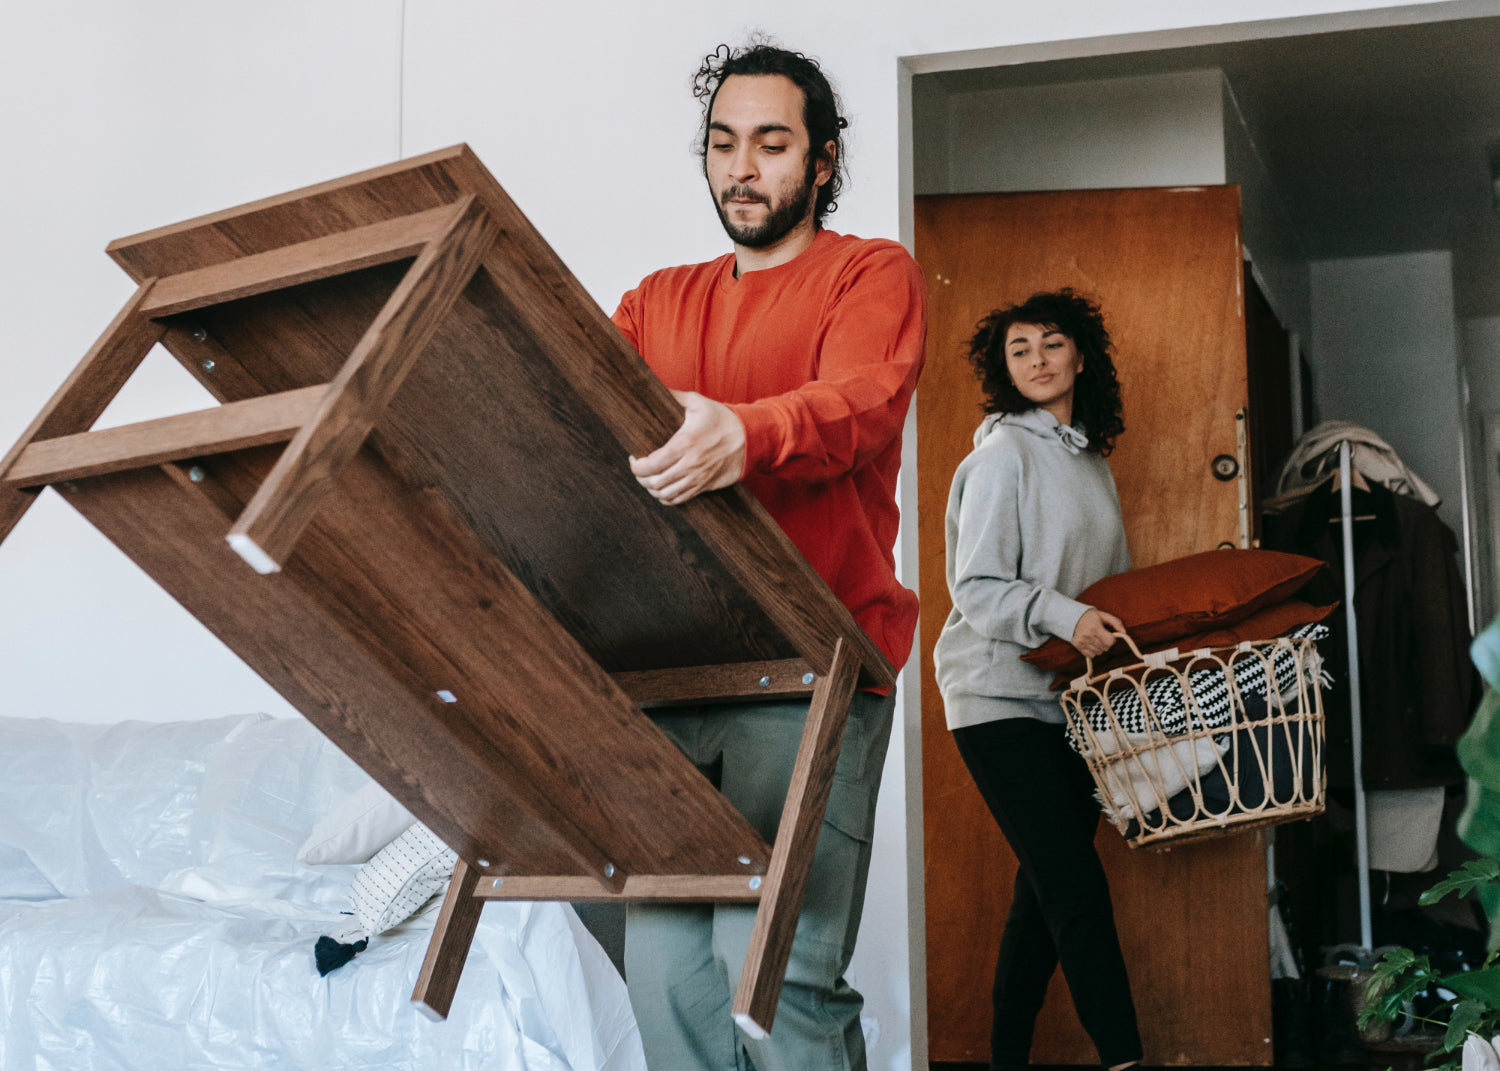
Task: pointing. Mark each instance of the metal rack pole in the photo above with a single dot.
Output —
(1361, 829)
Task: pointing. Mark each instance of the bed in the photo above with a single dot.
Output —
(153, 914)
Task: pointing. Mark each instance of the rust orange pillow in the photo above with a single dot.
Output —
(1162, 603)
(1264, 624)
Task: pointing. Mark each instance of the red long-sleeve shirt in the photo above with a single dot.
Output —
(818, 357)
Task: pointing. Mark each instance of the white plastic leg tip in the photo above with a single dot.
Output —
(427, 1013)
(256, 558)
(750, 1027)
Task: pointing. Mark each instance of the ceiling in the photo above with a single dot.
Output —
(1379, 140)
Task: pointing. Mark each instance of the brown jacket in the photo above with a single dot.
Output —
(1418, 689)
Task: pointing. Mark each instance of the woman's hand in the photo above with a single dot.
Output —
(1096, 632)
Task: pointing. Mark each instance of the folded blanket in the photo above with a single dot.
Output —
(1210, 705)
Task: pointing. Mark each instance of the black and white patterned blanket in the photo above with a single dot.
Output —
(1211, 706)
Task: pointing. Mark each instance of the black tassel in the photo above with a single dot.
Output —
(331, 955)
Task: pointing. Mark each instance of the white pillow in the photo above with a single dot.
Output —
(357, 828)
(403, 876)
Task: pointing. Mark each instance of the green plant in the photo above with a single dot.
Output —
(1402, 974)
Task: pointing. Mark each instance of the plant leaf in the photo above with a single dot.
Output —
(1394, 962)
(1465, 1017)
(1482, 985)
(1466, 879)
(1399, 976)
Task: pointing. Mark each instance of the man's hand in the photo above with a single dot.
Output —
(705, 454)
(1096, 632)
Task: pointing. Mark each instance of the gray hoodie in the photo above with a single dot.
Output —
(1032, 520)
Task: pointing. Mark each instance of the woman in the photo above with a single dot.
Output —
(1032, 520)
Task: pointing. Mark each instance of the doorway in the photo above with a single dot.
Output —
(1226, 107)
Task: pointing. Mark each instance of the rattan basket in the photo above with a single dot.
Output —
(1192, 731)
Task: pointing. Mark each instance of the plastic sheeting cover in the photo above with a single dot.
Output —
(152, 915)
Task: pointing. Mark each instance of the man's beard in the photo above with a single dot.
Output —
(778, 223)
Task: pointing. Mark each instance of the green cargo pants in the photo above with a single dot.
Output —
(683, 961)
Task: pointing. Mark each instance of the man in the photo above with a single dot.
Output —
(794, 358)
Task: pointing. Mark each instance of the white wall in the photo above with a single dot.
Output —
(1385, 354)
(121, 115)
(118, 118)
(1152, 130)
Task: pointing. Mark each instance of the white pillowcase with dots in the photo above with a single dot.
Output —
(400, 878)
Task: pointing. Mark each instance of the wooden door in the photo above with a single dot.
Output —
(1166, 267)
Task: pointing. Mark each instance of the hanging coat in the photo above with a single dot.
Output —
(1418, 688)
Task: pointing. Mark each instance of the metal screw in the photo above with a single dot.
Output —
(497, 883)
(744, 860)
(755, 882)
(765, 682)
(807, 678)
(446, 696)
(195, 474)
(483, 863)
(609, 870)
(208, 364)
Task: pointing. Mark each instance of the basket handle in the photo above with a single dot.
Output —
(1088, 663)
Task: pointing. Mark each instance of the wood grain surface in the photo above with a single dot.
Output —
(320, 657)
(337, 254)
(274, 418)
(789, 678)
(1165, 265)
(796, 839)
(365, 384)
(525, 323)
(719, 888)
(452, 935)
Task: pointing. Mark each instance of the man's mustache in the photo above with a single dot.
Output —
(742, 193)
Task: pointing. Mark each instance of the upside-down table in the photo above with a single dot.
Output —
(412, 514)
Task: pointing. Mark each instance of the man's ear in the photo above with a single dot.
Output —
(824, 165)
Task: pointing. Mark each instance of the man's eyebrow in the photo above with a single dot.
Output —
(763, 129)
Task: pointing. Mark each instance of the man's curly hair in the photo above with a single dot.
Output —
(820, 104)
(1096, 392)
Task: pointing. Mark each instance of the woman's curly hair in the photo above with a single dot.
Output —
(1096, 393)
(820, 104)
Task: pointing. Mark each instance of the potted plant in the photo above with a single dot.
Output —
(1471, 1018)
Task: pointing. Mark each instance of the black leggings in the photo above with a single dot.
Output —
(1041, 794)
